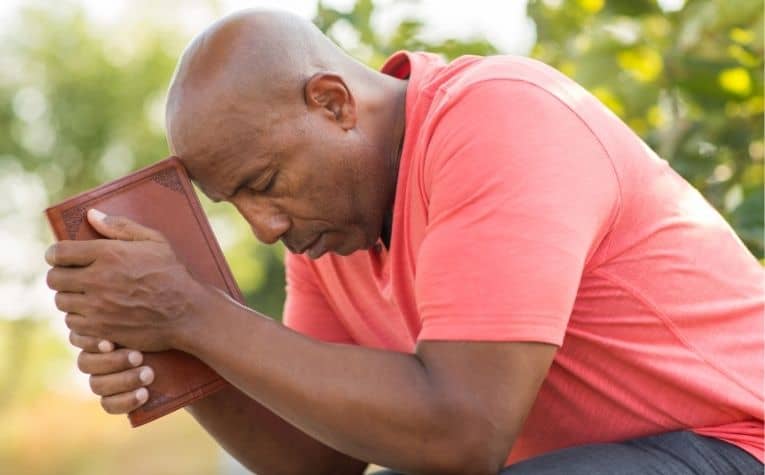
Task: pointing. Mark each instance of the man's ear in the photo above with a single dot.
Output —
(329, 93)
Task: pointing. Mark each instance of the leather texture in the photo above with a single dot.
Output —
(162, 197)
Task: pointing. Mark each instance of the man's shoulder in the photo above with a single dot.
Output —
(467, 72)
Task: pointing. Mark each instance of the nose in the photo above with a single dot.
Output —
(268, 229)
(268, 225)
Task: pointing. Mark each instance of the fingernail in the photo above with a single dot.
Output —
(142, 395)
(96, 214)
(135, 358)
(146, 375)
(105, 346)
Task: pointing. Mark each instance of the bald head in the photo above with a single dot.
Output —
(268, 114)
(247, 65)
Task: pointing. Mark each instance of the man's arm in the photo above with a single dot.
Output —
(260, 440)
(453, 407)
(265, 443)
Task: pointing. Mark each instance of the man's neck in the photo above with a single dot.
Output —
(396, 143)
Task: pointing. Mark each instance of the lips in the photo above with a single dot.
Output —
(307, 246)
(317, 248)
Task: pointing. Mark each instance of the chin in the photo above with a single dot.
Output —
(350, 246)
(345, 250)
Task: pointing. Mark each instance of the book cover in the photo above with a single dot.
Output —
(159, 196)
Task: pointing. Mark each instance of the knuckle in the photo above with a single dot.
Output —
(81, 342)
(95, 385)
(108, 405)
(50, 253)
(59, 300)
(50, 278)
(82, 362)
(69, 320)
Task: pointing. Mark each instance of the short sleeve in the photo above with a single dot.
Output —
(520, 194)
(306, 309)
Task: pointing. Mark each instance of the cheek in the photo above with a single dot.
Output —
(331, 198)
(329, 188)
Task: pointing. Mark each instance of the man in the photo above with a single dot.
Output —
(497, 271)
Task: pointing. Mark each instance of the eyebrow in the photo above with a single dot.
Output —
(237, 188)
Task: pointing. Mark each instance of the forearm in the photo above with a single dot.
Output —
(262, 441)
(374, 405)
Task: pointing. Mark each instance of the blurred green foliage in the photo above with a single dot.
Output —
(373, 47)
(690, 82)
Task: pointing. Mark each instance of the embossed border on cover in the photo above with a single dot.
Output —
(74, 216)
(72, 219)
(169, 179)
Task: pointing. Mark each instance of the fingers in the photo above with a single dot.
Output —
(90, 343)
(116, 375)
(78, 323)
(120, 227)
(111, 362)
(125, 402)
(121, 382)
(65, 279)
(72, 253)
(71, 302)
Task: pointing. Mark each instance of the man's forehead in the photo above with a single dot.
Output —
(210, 173)
(217, 150)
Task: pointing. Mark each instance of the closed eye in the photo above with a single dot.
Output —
(271, 182)
(267, 188)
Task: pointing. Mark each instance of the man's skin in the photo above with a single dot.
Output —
(270, 116)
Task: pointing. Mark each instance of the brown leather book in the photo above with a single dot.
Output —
(159, 196)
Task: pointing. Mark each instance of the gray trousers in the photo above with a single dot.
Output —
(673, 453)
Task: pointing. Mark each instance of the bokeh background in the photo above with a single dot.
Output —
(82, 88)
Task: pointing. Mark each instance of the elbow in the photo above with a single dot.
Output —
(472, 446)
(477, 457)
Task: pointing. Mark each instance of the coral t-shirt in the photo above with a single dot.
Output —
(526, 211)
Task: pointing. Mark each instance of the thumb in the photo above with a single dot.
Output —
(120, 227)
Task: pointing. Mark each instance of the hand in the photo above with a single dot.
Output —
(130, 289)
(115, 375)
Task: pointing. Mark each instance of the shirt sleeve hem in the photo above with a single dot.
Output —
(471, 328)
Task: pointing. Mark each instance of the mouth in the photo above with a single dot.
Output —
(308, 246)
(318, 248)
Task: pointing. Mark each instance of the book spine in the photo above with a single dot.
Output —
(56, 222)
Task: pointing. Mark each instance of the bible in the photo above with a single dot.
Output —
(159, 196)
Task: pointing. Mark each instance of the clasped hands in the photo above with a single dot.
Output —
(129, 289)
